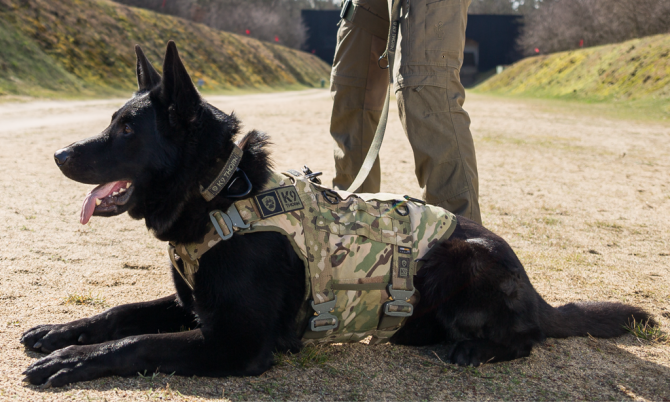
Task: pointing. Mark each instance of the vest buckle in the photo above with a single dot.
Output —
(225, 222)
(399, 306)
(323, 320)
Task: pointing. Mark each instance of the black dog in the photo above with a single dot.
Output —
(157, 151)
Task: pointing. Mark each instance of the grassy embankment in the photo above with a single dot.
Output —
(84, 48)
(630, 78)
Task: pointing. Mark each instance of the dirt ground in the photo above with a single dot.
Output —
(583, 199)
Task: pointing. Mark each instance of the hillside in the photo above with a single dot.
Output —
(636, 70)
(85, 47)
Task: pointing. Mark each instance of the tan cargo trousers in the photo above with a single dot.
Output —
(429, 92)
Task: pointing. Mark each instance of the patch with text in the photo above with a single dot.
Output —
(278, 201)
(404, 250)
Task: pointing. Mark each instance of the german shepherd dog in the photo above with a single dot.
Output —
(160, 147)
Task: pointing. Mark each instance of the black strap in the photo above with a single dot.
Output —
(389, 55)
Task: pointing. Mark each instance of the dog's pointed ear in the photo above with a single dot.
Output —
(147, 76)
(177, 87)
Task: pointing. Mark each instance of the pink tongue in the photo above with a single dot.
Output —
(88, 206)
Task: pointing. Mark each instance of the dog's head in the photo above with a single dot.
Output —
(154, 151)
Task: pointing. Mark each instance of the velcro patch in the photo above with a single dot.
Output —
(278, 201)
(403, 267)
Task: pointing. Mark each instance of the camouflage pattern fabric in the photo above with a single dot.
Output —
(353, 247)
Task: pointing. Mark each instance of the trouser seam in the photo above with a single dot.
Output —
(458, 145)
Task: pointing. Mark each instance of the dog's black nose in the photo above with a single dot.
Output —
(62, 155)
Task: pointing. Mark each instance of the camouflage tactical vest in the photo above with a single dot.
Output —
(360, 251)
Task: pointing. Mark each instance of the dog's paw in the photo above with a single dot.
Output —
(469, 353)
(65, 366)
(47, 338)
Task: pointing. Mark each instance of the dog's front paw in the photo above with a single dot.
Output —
(469, 353)
(65, 366)
(47, 338)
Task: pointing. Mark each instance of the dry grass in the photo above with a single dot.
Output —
(583, 199)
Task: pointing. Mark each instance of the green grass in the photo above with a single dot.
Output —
(87, 299)
(27, 70)
(647, 332)
(309, 356)
(630, 78)
(84, 48)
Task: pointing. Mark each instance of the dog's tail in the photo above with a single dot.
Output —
(599, 319)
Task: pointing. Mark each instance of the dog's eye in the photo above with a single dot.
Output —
(127, 130)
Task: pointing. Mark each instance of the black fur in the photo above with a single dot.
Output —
(167, 140)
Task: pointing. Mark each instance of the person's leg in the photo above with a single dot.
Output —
(430, 100)
(358, 87)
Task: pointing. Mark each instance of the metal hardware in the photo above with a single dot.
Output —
(323, 311)
(312, 176)
(331, 196)
(245, 192)
(400, 299)
(400, 208)
(418, 201)
(345, 8)
(236, 218)
(379, 62)
(226, 219)
(231, 219)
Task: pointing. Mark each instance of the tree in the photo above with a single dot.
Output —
(557, 25)
(269, 20)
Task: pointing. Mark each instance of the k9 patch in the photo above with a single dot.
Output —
(278, 201)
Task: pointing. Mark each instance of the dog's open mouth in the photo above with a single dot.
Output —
(105, 200)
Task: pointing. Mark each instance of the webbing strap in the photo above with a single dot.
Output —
(215, 187)
(389, 55)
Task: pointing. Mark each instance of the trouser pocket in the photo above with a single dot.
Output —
(444, 30)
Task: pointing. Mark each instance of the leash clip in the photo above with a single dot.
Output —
(311, 176)
(383, 57)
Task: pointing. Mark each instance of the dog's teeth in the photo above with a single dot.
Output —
(128, 184)
(115, 193)
(122, 190)
(98, 201)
